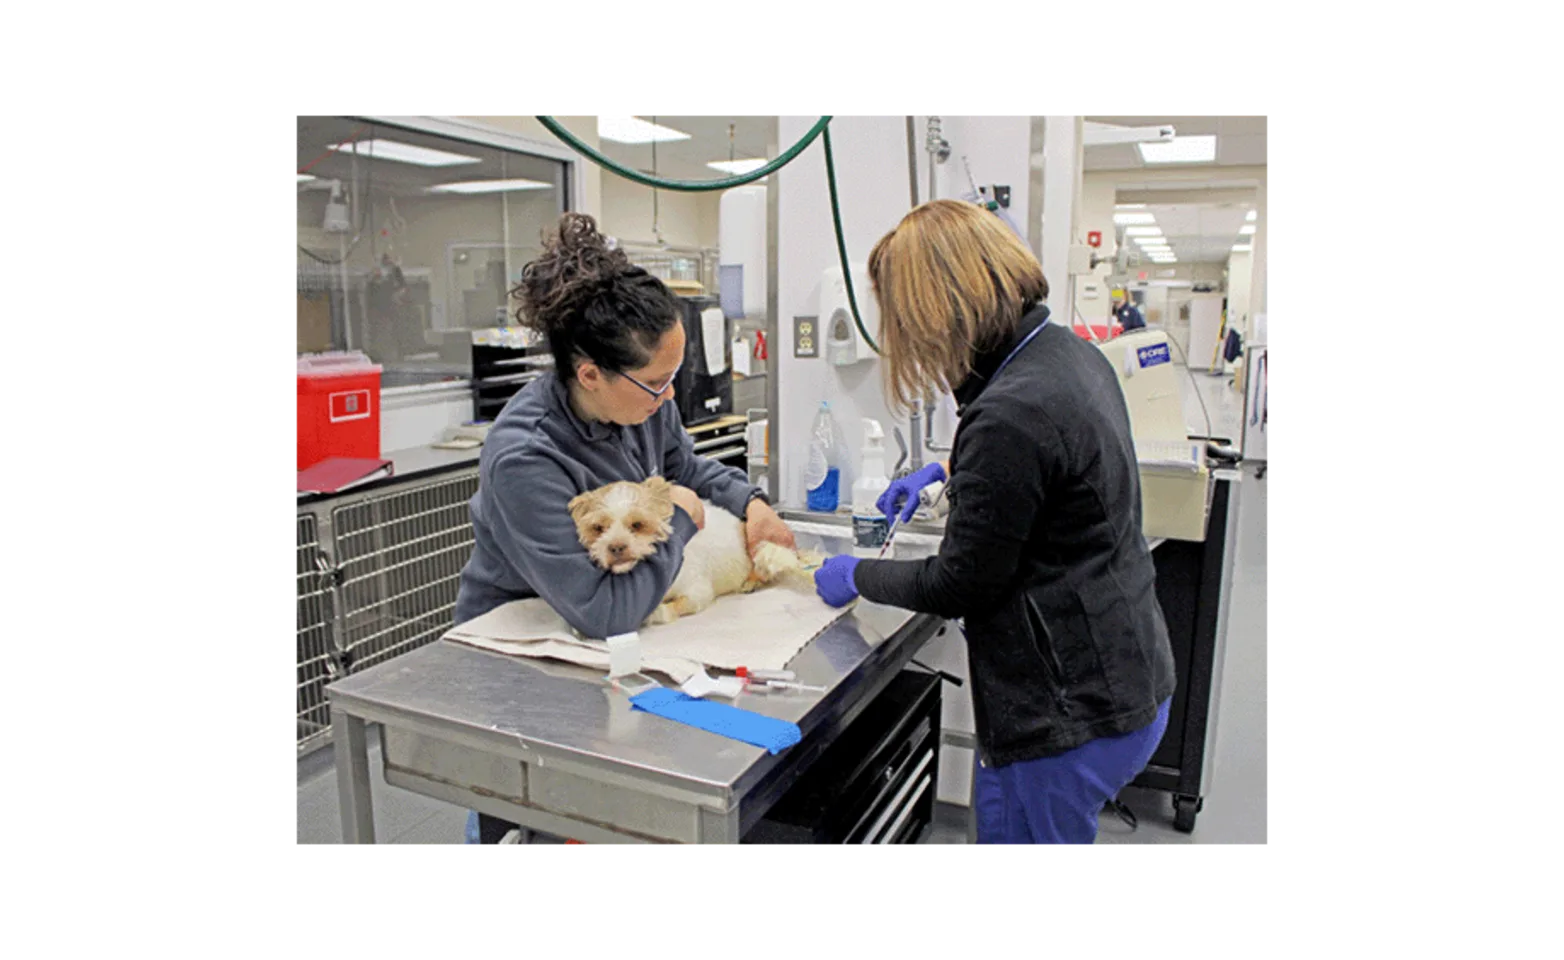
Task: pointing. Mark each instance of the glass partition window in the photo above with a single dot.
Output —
(408, 241)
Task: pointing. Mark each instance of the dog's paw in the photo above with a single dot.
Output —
(773, 562)
(666, 612)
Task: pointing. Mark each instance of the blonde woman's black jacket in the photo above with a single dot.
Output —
(1043, 554)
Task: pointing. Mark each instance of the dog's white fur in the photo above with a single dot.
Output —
(622, 523)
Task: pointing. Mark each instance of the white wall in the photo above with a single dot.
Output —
(871, 166)
(419, 419)
(1096, 213)
(685, 219)
(1239, 311)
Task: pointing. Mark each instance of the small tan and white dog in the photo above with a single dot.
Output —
(622, 523)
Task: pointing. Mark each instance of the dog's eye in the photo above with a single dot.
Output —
(597, 529)
(637, 527)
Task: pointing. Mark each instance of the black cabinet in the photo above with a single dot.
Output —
(876, 783)
(499, 372)
(703, 389)
(1192, 589)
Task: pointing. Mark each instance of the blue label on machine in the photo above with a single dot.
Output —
(1151, 356)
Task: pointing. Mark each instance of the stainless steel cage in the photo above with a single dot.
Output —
(380, 580)
(316, 665)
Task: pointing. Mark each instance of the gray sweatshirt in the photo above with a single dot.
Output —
(538, 457)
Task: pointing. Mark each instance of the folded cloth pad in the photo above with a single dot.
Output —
(763, 630)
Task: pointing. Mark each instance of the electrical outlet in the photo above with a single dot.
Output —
(806, 338)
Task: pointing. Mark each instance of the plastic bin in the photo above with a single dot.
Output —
(339, 407)
(1103, 331)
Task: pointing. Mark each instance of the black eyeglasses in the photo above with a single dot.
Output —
(659, 391)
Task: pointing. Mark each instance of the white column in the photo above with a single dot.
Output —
(1061, 200)
(1257, 267)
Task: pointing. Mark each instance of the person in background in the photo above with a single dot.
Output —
(1043, 558)
(1127, 314)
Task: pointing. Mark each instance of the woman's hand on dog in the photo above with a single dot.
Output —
(685, 499)
(762, 525)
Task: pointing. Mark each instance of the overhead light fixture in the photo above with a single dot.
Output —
(1129, 206)
(737, 167)
(1247, 230)
(1134, 218)
(489, 186)
(1143, 232)
(636, 130)
(404, 153)
(1242, 248)
(1158, 248)
(1151, 241)
(1251, 215)
(304, 178)
(1200, 149)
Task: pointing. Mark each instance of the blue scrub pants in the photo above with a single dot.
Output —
(1057, 799)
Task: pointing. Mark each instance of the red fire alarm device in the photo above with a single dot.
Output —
(1094, 239)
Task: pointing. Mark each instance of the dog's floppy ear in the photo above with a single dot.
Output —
(580, 505)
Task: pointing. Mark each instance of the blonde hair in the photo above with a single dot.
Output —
(952, 281)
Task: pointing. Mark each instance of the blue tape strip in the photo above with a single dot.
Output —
(746, 725)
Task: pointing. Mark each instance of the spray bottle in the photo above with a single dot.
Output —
(822, 476)
(870, 527)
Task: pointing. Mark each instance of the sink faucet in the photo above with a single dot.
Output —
(928, 433)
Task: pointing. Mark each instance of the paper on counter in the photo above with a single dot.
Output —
(714, 336)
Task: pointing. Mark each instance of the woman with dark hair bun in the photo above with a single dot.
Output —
(602, 415)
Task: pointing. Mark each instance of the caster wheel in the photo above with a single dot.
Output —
(1184, 810)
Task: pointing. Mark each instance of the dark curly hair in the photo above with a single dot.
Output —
(591, 302)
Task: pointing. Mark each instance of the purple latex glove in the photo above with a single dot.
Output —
(908, 487)
(834, 581)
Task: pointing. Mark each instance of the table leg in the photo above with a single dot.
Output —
(972, 802)
(353, 797)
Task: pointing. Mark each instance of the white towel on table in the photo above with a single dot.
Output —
(763, 630)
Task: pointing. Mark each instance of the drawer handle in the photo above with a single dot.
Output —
(906, 811)
(901, 795)
(894, 767)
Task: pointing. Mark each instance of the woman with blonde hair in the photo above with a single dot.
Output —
(1043, 557)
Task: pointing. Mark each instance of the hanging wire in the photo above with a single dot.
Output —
(657, 233)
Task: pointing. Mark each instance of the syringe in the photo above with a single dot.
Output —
(789, 685)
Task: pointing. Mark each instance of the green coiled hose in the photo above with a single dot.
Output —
(821, 128)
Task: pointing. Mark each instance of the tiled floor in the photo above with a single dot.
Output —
(1235, 809)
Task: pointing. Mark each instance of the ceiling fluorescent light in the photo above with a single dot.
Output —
(1201, 149)
(1134, 218)
(489, 186)
(1129, 206)
(1247, 230)
(636, 130)
(1143, 231)
(403, 153)
(1151, 241)
(1250, 216)
(1242, 248)
(304, 177)
(737, 167)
